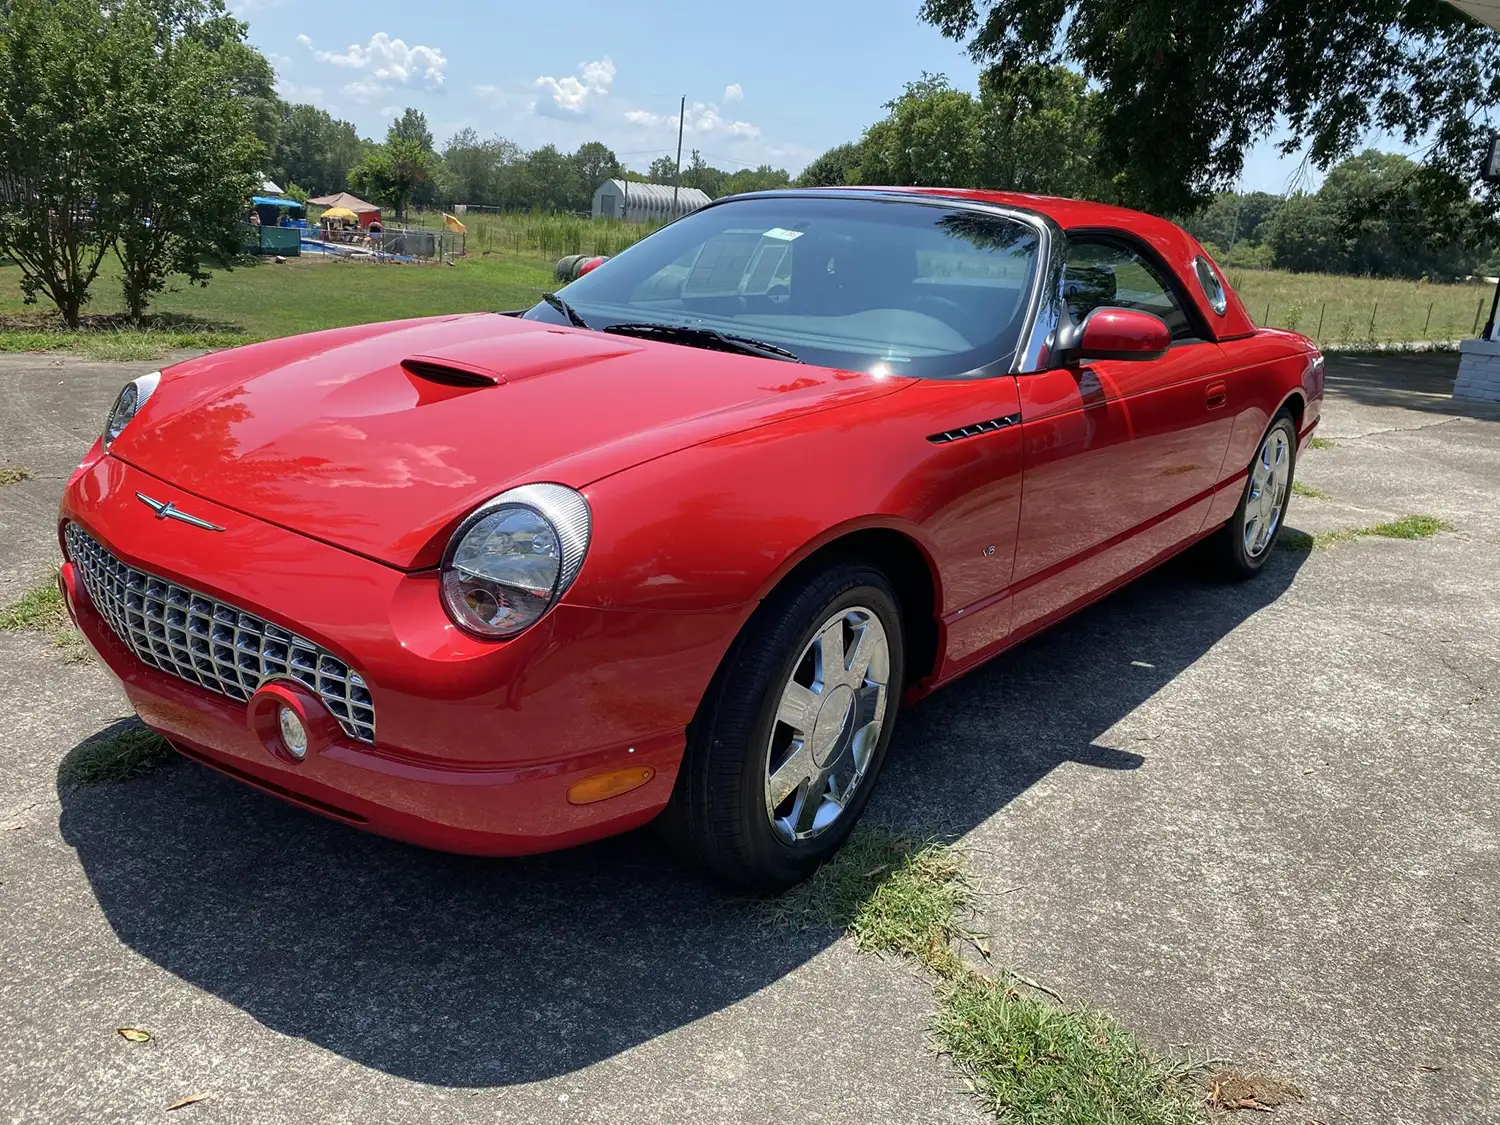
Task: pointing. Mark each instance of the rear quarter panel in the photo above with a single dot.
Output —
(1265, 372)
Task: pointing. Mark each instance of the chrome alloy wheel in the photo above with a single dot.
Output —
(827, 724)
(1270, 475)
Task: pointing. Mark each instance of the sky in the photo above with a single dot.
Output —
(775, 81)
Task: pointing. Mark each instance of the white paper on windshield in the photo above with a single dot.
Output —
(784, 234)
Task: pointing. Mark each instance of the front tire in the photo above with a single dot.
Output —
(791, 736)
(1244, 545)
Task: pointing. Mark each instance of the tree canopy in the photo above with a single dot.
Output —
(122, 127)
(1373, 216)
(188, 154)
(313, 148)
(1034, 131)
(1185, 87)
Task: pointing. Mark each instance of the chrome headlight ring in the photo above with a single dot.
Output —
(511, 559)
(128, 404)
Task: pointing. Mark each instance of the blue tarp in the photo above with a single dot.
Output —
(274, 201)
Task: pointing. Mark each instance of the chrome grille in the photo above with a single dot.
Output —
(211, 643)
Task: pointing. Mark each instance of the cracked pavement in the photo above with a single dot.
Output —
(1254, 822)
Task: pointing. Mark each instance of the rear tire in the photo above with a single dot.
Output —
(791, 735)
(1245, 544)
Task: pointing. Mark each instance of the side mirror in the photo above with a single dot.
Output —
(1111, 333)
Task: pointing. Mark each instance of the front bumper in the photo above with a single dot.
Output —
(476, 743)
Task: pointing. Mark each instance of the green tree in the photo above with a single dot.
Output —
(1033, 129)
(251, 77)
(838, 166)
(411, 126)
(1232, 218)
(760, 178)
(410, 134)
(663, 170)
(592, 164)
(315, 149)
(1185, 87)
(1038, 132)
(1382, 215)
(60, 66)
(704, 176)
(545, 180)
(473, 169)
(390, 174)
(188, 156)
(930, 137)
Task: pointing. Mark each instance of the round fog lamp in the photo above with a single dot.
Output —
(293, 733)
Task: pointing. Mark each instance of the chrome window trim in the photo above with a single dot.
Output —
(1044, 311)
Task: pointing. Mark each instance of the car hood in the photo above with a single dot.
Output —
(380, 438)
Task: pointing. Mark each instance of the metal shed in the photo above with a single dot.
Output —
(642, 203)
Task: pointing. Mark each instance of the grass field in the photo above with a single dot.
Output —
(265, 299)
(1351, 311)
(548, 235)
(509, 263)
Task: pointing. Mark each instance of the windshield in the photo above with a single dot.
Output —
(860, 284)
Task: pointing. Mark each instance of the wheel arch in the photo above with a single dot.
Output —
(902, 558)
(1296, 403)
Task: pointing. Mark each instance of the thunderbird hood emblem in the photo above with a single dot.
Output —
(169, 511)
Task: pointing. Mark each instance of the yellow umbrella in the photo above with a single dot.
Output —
(339, 213)
(452, 223)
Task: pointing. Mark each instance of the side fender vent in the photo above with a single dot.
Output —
(974, 430)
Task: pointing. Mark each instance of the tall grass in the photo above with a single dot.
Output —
(1352, 311)
(536, 232)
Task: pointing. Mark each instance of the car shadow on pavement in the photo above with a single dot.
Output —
(465, 972)
(1421, 382)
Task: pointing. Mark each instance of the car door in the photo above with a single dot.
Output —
(1120, 456)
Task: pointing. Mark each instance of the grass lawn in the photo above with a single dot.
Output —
(1340, 310)
(265, 299)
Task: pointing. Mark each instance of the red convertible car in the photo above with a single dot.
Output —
(677, 542)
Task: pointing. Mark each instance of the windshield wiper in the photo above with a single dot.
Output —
(566, 309)
(705, 338)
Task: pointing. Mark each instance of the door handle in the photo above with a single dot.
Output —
(1216, 395)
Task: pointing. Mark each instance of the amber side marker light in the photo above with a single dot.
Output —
(605, 785)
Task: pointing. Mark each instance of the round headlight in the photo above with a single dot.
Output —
(127, 405)
(513, 558)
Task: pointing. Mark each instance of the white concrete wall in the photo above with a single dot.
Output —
(1478, 371)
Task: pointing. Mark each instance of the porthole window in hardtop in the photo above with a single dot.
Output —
(1213, 288)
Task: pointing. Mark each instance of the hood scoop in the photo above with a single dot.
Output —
(450, 373)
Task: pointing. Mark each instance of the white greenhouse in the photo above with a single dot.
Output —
(643, 203)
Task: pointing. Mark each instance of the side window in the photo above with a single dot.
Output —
(1100, 273)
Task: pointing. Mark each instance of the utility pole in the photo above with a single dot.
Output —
(677, 179)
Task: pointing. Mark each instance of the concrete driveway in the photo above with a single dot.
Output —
(1255, 822)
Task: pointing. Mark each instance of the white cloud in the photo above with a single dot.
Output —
(290, 91)
(573, 93)
(734, 92)
(387, 62)
(702, 118)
